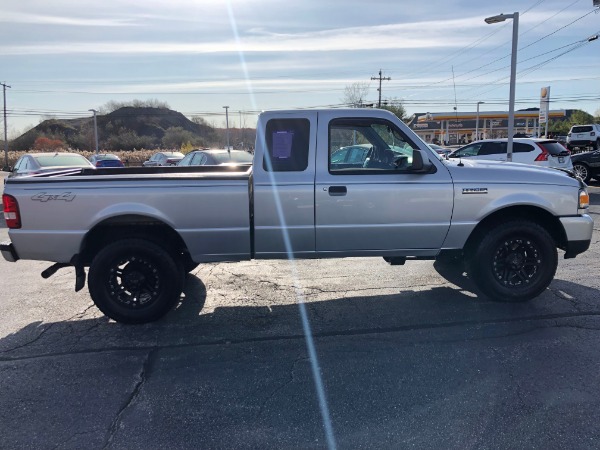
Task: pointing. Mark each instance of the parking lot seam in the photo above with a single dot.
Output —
(293, 337)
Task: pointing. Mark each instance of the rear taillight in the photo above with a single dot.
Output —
(98, 163)
(12, 216)
(593, 133)
(544, 155)
(568, 134)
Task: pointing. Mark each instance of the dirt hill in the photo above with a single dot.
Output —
(123, 129)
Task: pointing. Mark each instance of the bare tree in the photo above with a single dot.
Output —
(355, 94)
(395, 105)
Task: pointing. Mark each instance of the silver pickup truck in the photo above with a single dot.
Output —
(324, 184)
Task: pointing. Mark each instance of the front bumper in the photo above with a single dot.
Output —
(579, 231)
(8, 252)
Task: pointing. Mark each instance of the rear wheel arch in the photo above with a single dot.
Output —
(131, 227)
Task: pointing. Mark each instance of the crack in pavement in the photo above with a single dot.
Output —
(289, 381)
(33, 341)
(142, 376)
(79, 315)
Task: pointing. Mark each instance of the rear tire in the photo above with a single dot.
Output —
(135, 281)
(513, 262)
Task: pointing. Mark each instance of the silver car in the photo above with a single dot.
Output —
(37, 163)
(216, 157)
(164, 159)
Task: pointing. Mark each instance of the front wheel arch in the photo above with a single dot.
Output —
(532, 214)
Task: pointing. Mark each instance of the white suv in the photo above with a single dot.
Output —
(539, 152)
(583, 136)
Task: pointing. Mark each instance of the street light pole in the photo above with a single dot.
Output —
(513, 75)
(4, 86)
(95, 129)
(227, 125)
(477, 122)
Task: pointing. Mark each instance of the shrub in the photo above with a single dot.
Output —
(43, 143)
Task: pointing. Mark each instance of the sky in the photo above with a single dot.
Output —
(65, 57)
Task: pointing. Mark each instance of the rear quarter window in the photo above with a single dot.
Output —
(554, 148)
(582, 129)
(520, 147)
(287, 145)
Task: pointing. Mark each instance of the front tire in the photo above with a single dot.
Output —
(513, 262)
(135, 281)
(582, 171)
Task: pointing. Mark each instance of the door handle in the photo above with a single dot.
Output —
(337, 190)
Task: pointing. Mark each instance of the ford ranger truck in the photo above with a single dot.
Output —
(323, 184)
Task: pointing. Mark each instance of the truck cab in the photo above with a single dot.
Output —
(373, 188)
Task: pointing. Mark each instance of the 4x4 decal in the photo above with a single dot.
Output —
(44, 197)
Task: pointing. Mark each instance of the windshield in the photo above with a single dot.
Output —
(581, 129)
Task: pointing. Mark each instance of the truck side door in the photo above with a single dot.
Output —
(374, 204)
(283, 185)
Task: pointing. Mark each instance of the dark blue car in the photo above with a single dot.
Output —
(106, 160)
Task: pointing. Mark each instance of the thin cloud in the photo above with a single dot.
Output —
(15, 17)
(401, 36)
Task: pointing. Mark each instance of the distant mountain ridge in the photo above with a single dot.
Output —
(127, 126)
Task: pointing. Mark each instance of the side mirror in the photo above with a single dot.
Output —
(420, 162)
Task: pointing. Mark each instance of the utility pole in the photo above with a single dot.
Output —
(241, 130)
(95, 129)
(4, 86)
(380, 78)
(227, 125)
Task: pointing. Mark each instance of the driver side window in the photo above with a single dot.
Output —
(368, 146)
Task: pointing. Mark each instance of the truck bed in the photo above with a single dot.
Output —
(208, 206)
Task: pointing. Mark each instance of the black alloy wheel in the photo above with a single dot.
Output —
(516, 262)
(135, 281)
(513, 262)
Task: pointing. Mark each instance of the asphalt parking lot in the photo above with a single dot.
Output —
(406, 359)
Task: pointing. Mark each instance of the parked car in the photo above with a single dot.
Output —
(164, 159)
(539, 152)
(370, 157)
(587, 165)
(106, 160)
(351, 155)
(215, 157)
(36, 163)
(584, 136)
(562, 139)
(440, 150)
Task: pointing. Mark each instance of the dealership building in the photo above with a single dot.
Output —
(461, 127)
